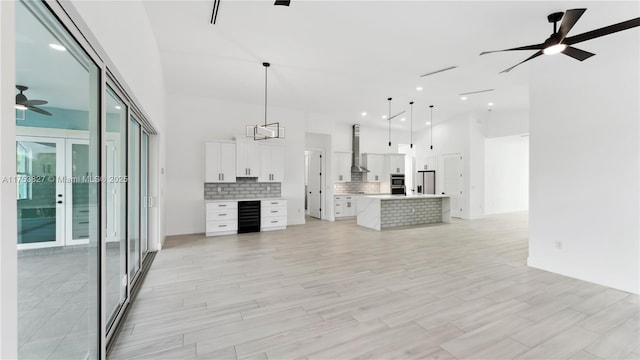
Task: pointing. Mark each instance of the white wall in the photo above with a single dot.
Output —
(8, 216)
(462, 134)
(132, 48)
(506, 174)
(585, 158)
(501, 122)
(191, 121)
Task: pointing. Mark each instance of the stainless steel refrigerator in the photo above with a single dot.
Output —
(426, 182)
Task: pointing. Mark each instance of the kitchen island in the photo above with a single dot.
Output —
(387, 211)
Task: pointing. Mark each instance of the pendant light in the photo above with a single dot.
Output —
(266, 131)
(411, 104)
(389, 117)
(431, 127)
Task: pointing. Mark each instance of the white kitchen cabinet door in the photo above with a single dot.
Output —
(343, 167)
(271, 163)
(220, 165)
(247, 158)
(395, 163)
(375, 164)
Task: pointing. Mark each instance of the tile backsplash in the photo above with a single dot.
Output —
(243, 188)
(356, 185)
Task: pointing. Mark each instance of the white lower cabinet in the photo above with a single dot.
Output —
(273, 215)
(344, 206)
(221, 218)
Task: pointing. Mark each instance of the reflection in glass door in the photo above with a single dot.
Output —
(41, 220)
(144, 194)
(134, 198)
(77, 186)
(115, 148)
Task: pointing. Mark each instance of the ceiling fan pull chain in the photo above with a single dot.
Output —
(389, 120)
(411, 103)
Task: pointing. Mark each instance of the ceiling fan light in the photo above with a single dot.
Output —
(554, 49)
(20, 107)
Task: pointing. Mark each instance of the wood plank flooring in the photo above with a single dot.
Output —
(338, 291)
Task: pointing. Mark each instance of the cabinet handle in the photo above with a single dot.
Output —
(340, 177)
(222, 176)
(398, 170)
(222, 214)
(376, 177)
(274, 221)
(275, 203)
(219, 176)
(222, 205)
(274, 211)
(249, 171)
(222, 225)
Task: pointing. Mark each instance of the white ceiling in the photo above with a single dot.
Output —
(346, 57)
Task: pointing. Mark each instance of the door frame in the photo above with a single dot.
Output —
(323, 181)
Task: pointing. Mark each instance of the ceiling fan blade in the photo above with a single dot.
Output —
(569, 19)
(282, 2)
(34, 102)
(528, 47)
(38, 110)
(603, 31)
(527, 59)
(577, 53)
(396, 115)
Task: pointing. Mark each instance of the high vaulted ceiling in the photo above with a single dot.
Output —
(346, 57)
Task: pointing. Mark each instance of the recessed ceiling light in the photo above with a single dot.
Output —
(463, 98)
(20, 107)
(57, 47)
(403, 119)
(384, 116)
(118, 107)
(490, 104)
(419, 88)
(428, 123)
(364, 113)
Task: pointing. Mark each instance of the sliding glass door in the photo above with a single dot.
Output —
(58, 156)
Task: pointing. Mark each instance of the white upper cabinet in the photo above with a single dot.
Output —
(343, 166)
(271, 163)
(395, 163)
(247, 159)
(220, 162)
(375, 164)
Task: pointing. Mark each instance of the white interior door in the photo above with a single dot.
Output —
(314, 189)
(453, 181)
(41, 196)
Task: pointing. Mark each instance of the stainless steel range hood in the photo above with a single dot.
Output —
(355, 151)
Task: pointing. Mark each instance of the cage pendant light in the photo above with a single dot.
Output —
(266, 131)
(431, 128)
(411, 136)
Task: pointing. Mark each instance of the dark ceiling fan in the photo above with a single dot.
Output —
(22, 103)
(558, 42)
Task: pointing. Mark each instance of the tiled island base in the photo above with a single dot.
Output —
(388, 211)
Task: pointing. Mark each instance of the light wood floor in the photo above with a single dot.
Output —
(336, 291)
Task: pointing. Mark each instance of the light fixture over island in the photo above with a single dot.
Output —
(387, 211)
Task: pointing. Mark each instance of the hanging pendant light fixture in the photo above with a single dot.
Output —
(266, 131)
(431, 127)
(392, 117)
(411, 104)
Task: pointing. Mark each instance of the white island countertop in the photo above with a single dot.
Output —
(406, 197)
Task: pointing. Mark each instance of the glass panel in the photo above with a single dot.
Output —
(80, 186)
(57, 287)
(134, 198)
(36, 191)
(144, 221)
(116, 207)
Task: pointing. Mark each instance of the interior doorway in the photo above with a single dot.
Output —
(453, 181)
(314, 183)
